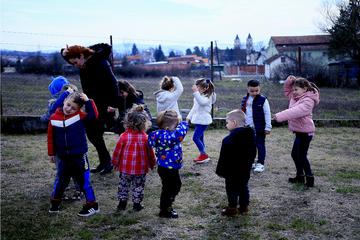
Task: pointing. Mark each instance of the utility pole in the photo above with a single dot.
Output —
(299, 60)
(217, 58)
(111, 55)
(212, 72)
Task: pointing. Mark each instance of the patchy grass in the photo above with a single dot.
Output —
(278, 210)
(28, 94)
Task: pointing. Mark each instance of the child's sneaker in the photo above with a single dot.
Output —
(55, 206)
(202, 158)
(259, 168)
(89, 209)
(54, 209)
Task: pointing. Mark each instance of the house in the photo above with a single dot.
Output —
(275, 62)
(313, 48)
(188, 59)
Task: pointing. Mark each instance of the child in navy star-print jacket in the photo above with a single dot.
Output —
(168, 150)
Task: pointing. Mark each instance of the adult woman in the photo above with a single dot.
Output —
(99, 83)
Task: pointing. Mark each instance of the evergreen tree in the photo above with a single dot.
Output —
(159, 54)
(172, 54)
(188, 51)
(197, 51)
(134, 50)
(345, 32)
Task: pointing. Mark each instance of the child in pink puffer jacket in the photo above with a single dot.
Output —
(303, 96)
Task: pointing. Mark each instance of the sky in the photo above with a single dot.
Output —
(38, 25)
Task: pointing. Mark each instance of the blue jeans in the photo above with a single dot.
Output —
(260, 145)
(299, 154)
(76, 166)
(198, 137)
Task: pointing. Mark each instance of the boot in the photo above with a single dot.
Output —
(310, 181)
(229, 212)
(243, 210)
(168, 213)
(122, 205)
(297, 179)
(137, 207)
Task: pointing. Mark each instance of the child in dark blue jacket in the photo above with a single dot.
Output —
(237, 154)
(67, 141)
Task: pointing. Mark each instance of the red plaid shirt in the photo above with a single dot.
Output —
(132, 154)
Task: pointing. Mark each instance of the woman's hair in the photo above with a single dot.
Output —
(237, 115)
(137, 119)
(167, 119)
(304, 83)
(207, 85)
(75, 52)
(125, 86)
(166, 83)
(76, 98)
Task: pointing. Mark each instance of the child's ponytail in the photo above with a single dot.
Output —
(206, 84)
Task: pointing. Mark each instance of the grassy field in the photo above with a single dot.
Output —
(28, 95)
(278, 210)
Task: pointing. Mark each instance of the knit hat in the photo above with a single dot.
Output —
(56, 84)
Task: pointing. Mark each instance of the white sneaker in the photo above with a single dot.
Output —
(259, 168)
(253, 165)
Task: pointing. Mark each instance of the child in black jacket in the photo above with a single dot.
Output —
(237, 154)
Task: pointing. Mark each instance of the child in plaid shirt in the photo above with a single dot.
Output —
(133, 157)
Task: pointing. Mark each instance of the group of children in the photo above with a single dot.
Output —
(139, 149)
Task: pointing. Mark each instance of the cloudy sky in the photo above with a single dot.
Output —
(41, 25)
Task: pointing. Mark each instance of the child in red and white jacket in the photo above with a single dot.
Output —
(133, 157)
(303, 96)
(67, 141)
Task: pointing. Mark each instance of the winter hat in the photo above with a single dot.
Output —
(56, 84)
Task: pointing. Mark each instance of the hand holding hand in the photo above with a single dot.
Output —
(111, 109)
(274, 118)
(267, 132)
(52, 159)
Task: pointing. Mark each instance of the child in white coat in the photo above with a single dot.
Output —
(200, 114)
(170, 91)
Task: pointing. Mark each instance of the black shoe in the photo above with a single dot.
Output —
(297, 179)
(137, 207)
(55, 206)
(310, 181)
(106, 170)
(169, 213)
(98, 169)
(122, 205)
(89, 209)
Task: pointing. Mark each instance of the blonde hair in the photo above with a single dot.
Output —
(206, 84)
(167, 119)
(237, 115)
(167, 83)
(137, 119)
(304, 83)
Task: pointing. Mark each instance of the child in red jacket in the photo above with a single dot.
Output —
(67, 141)
(133, 157)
